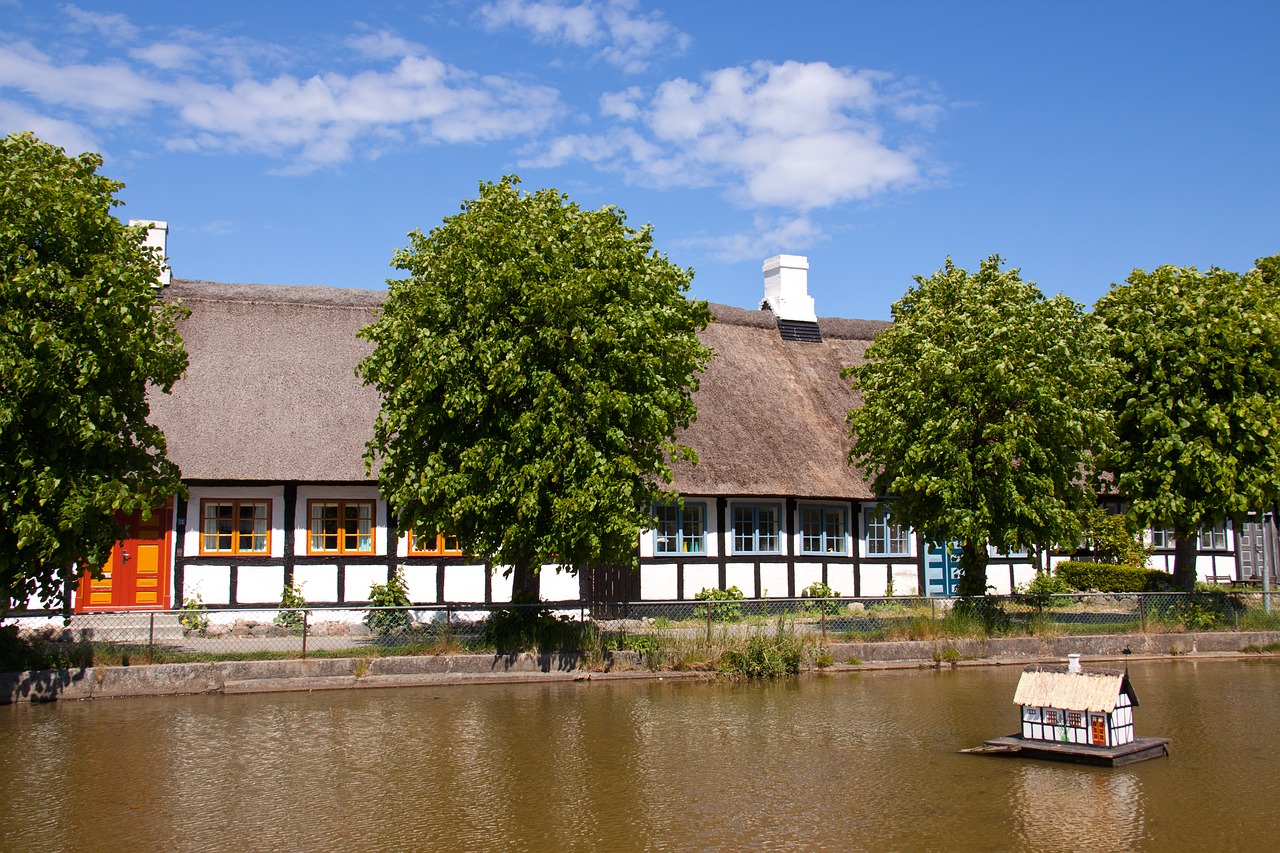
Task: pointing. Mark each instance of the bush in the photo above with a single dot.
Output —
(194, 618)
(818, 589)
(727, 609)
(764, 657)
(291, 607)
(393, 593)
(1044, 590)
(1115, 539)
(1105, 577)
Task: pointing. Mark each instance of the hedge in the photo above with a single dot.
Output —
(1107, 577)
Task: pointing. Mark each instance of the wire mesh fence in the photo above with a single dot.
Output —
(206, 634)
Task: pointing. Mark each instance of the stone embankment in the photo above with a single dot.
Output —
(232, 677)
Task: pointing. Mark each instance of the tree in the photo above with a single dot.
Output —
(534, 368)
(1197, 417)
(81, 336)
(981, 406)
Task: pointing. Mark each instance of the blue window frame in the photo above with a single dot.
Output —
(1213, 538)
(822, 530)
(884, 537)
(680, 530)
(755, 529)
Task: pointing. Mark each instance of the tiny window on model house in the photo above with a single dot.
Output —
(340, 527)
(235, 527)
(438, 545)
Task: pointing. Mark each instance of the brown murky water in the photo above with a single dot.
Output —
(862, 762)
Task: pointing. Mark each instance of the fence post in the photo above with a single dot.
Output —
(708, 606)
(151, 637)
(1142, 612)
(304, 634)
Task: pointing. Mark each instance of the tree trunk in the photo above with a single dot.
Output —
(1185, 549)
(973, 569)
(525, 581)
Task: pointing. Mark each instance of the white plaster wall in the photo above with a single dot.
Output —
(464, 583)
(319, 583)
(808, 574)
(873, 579)
(906, 580)
(500, 585)
(658, 582)
(301, 520)
(259, 583)
(743, 576)
(558, 585)
(359, 579)
(191, 539)
(700, 577)
(1024, 573)
(211, 583)
(840, 578)
(421, 581)
(773, 580)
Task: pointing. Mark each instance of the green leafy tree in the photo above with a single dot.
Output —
(1114, 538)
(534, 368)
(82, 334)
(1197, 419)
(981, 406)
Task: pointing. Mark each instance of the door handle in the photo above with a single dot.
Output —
(124, 556)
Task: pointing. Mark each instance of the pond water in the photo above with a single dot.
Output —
(848, 762)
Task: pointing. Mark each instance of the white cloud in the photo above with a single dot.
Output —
(205, 93)
(65, 134)
(767, 236)
(792, 135)
(115, 27)
(615, 29)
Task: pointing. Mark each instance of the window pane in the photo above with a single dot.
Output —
(692, 530)
(767, 525)
(834, 531)
(811, 529)
(743, 529)
(666, 529)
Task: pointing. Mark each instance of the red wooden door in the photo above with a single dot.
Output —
(137, 575)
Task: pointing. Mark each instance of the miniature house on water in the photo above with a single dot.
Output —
(1071, 704)
(1070, 713)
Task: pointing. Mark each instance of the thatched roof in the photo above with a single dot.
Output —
(1091, 689)
(271, 394)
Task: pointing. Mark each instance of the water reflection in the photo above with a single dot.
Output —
(862, 762)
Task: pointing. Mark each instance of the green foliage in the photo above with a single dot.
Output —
(527, 628)
(985, 612)
(534, 368)
(1115, 538)
(818, 589)
(1043, 591)
(982, 402)
(393, 593)
(1108, 577)
(1198, 408)
(82, 336)
(726, 608)
(292, 606)
(764, 657)
(194, 619)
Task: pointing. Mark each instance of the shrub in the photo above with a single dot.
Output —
(1106, 577)
(194, 619)
(291, 607)
(1043, 591)
(818, 589)
(725, 608)
(764, 657)
(1114, 539)
(393, 593)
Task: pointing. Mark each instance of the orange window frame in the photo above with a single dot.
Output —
(339, 533)
(234, 533)
(443, 546)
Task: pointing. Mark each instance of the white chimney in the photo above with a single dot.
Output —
(158, 238)
(786, 288)
(1073, 663)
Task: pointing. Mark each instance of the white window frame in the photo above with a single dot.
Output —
(768, 541)
(686, 540)
(836, 543)
(890, 535)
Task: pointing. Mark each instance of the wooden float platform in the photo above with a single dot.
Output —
(1141, 749)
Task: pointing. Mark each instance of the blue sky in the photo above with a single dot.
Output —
(298, 143)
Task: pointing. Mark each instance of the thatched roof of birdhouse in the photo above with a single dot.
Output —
(1090, 689)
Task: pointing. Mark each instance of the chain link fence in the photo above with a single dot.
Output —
(207, 634)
